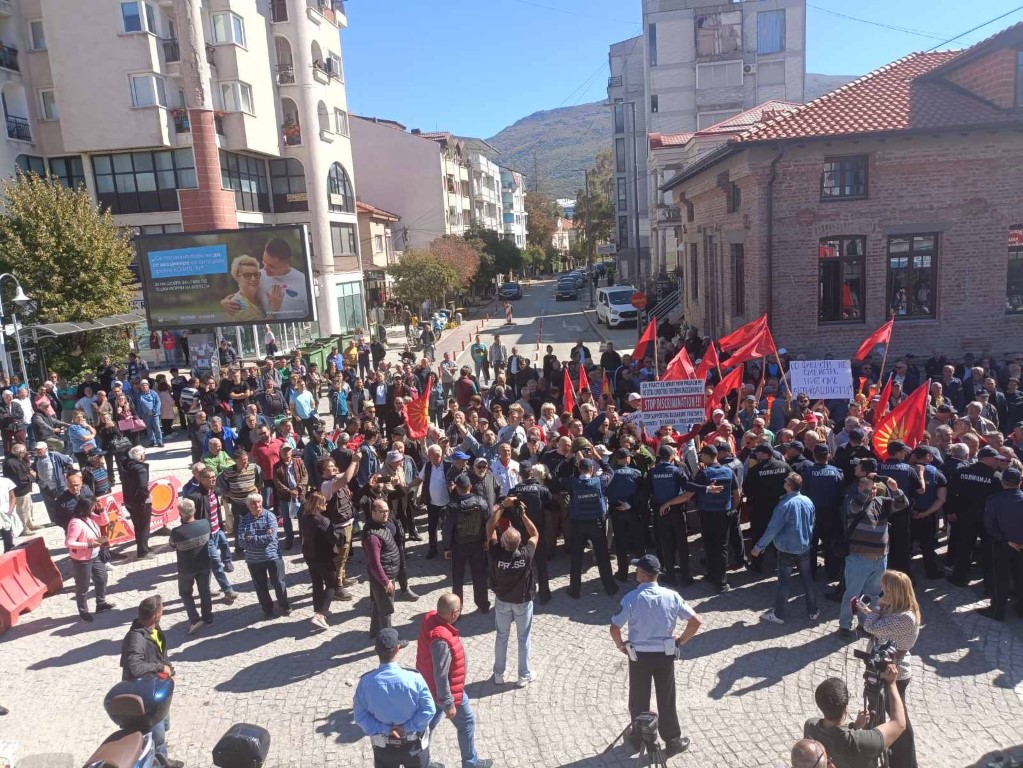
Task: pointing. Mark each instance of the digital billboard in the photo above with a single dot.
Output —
(227, 277)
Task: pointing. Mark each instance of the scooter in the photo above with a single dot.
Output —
(135, 706)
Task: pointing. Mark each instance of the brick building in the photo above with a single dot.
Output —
(899, 192)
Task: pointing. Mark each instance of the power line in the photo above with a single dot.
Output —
(974, 29)
(932, 35)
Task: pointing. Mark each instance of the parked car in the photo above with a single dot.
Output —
(614, 305)
(567, 289)
(578, 277)
(510, 291)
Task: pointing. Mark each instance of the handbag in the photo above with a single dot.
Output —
(119, 445)
(131, 424)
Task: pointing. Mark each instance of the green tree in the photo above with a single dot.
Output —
(72, 261)
(422, 275)
(507, 257)
(542, 213)
(597, 207)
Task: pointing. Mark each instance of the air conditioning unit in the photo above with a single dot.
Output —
(749, 69)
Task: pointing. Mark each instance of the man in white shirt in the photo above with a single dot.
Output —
(506, 469)
(498, 355)
(279, 281)
(433, 477)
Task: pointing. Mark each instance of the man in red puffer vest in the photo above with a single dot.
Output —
(440, 659)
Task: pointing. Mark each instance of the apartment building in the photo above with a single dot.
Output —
(487, 203)
(376, 243)
(698, 62)
(199, 114)
(513, 206)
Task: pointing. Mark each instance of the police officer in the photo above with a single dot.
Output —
(795, 456)
(465, 525)
(394, 707)
(764, 487)
(587, 509)
(736, 542)
(668, 483)
(923, 526)
(1003, 521)
(626, 519)
(539, 502)
(854, 450)
(824, 485)
(968, 492)
(910, 480)
(651, 613)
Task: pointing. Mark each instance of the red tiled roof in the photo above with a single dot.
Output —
(662, 140)
(362, 207)
(734, 124)
(892, 98)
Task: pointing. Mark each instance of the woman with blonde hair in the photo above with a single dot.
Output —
(897, 619)
(245, 271)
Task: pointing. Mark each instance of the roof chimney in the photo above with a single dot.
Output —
(416, 132)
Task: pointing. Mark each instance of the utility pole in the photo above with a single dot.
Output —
(536, 176)
(635, 199)
(589, 240)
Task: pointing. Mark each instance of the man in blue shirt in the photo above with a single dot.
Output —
(394, 707)
(791, 531)
(651, 613)
(824, 485)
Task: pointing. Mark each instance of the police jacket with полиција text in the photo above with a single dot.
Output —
(588, 501)
(765, 483)
(465, 520)
(969, 488)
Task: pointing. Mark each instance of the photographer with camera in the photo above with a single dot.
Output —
(651, 613)
(854, 745)
(513, 582)
(896, 620)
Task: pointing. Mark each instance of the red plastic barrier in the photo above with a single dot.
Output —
(20, 590)
(42, 565)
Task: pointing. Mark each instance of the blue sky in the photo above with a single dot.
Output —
(474, 66)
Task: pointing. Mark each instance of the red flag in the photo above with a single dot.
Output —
(584, 380)
(906, 422)
(882, 335)
(882, 403)
(680, 367)
(648, 337)
(417, 412)
(760, 345)
(708, 363)
(731, 382)
(605, 388)
(740, 337)
(568, 396)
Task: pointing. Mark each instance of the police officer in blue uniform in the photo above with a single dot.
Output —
(587, 509)
(923, 526)
(968, 490)
(910, 481)
(668, 483)
(1003, 521)
(824, 485)
(394, 707)
(651, 613)
(626, 518)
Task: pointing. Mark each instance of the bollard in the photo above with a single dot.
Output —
(463, 345)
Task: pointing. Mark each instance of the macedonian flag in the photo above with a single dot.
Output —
(906, 422)
(417, 412)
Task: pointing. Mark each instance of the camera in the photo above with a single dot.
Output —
(879, 657)
(644, 728)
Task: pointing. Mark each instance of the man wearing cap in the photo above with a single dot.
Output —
(824, 485)
(794, 453)
(464, 541)
(398, 473)
(587, 509)
(539, 503)
(316, 449)
(651, 613)
(852, 451)
(668, 482)
(911, 483)
(764, 487)
(626, 518)
(394, 707)
(633, 402)
(969, 488)
(1003, 521)
(926, 507)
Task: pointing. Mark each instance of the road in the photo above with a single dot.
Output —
(745, 688)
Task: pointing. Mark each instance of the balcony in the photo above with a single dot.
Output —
(18, 128)
(292, 133)
(285, 74)
(183, 125)
(171, 50)
(278, 11)
(614, 82)
(9, 58)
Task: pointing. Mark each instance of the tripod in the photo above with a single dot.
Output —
(875, 701)
(651, 755)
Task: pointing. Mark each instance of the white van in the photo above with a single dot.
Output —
(614, 305)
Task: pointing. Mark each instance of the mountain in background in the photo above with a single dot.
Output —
(552, 147)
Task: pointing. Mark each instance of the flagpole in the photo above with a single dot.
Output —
(781, 370)
(884, 359)
(657, 373)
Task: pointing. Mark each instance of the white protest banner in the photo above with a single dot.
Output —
(680, 404)
(822, 379)
(633, 417)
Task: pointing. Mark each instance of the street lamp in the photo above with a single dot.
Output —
(20, 301)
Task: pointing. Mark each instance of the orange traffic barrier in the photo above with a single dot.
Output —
(20, 589)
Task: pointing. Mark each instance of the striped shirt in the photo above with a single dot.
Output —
(869, 538)
(262, 547)
(240, 483)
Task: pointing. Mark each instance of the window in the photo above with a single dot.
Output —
(844, 178)
(620, 155)
(721, 74)
(287, 186)
(619, 117)
(738, 279)
(841, 277)
(719, 33)
(247, 177)
(378, 243)
(31, 164)
(340, 197)
(911, 275)
(333, 65)
(143, 182)
(694, 271)
(68, 170)
(1014, 274)
(771, 72)
(48, 102)
(770, 32)
(151, 18)
(131, 17)
(623, 195)
(340, 122)
(342, 239)
(36, 36)
(237, 97)
(148, 91)
(734, 197)
(349, 306)
(228, 28)
(707, 119)
(652, 43)
(690, 212)
(623, 231)
(654, 103)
